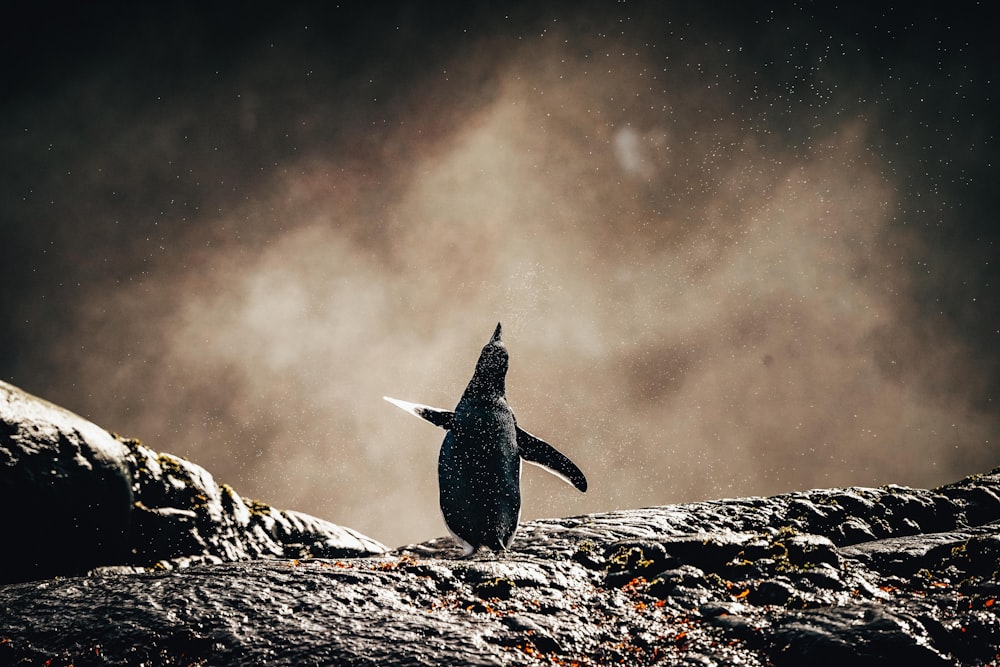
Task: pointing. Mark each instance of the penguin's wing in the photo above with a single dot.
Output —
(436, 416)
(541, 453)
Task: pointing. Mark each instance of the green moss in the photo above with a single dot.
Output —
(630, 555)
(172, 466)
(258, 508)
(714, 579)
(499, 588)
(788, 531)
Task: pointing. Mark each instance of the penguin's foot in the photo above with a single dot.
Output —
(467, 549)
(482, 553)
(487, 553)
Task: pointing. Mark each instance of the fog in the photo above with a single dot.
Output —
(733, 256)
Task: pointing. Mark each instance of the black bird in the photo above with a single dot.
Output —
(479, 466)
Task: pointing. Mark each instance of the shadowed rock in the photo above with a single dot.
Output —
(66, 488)
(77, 497)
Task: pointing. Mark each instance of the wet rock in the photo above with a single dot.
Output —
(423, 605)
(629, 560)
(531, 630)
(828, 576)
(776, 591)
(66, 489)
(859, 635)
(679, 580)
(77, 498)
(811, 550)
(181, 512)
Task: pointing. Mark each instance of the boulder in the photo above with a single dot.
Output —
(66, 487)
(78, 497)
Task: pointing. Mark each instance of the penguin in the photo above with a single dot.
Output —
(479, 465)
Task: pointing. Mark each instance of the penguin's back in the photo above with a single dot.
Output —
(479, 474)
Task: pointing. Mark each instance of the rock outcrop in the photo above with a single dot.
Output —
(858, 576)
(77, 497)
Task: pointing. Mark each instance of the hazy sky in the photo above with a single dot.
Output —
(734, 251)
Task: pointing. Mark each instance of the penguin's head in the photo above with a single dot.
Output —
(491, 369)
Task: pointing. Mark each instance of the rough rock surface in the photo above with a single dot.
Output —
(855, 576)
(77, 497)
(828, 577)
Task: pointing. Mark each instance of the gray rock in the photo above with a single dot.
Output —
(78, 498)
(66, 489)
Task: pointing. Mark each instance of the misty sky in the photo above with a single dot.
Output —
(735, 252)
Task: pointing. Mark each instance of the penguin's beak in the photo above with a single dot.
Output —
(496, 335)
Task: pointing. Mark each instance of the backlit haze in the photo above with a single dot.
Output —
(734, 252)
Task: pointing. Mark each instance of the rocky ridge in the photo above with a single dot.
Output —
(81, 497)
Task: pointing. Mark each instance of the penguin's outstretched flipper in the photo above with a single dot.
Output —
(541, 453)
(443, 418)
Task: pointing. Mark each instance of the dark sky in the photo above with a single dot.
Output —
(735, 250)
